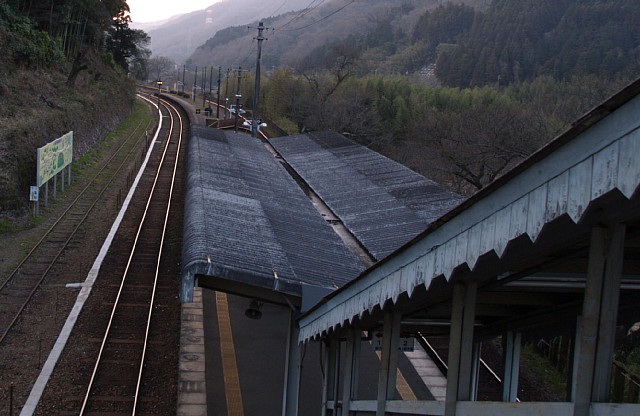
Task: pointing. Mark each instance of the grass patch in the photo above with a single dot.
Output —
(7, 227)
(291, 127)
(543, 369)
(83, 168)
(632, 362)
(139, 116)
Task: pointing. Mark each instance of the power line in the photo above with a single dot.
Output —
(304, 11)
(319, 20)
(251, 52)
(279, 7)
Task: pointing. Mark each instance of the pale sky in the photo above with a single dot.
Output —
(144, 11)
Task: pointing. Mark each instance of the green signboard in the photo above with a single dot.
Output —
(53, 157)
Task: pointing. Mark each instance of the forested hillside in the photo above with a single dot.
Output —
(459, 92)
(464, 138)
(63, 66)
(509, 76)
(302, 37)
(471, 43)
(517, 41)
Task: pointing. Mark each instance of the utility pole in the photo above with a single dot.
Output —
(195, 83)
(210, 88)
(204, 86)
(226, 93)
(184, 67)
(255, 120)
(218, 108)
(238, 96)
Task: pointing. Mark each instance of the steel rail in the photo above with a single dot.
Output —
(443, 366)
(157, 271)
(62, 216)
(71, 205)
(129, 262)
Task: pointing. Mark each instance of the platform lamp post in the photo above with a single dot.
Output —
(218, 108)
(195, 84)
(238, 96)
(159, 82)
(237, 111)
(204, 87)
(184, 68)
(226, 94)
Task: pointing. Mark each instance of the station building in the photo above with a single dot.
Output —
(356, 245)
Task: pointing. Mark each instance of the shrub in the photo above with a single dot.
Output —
(28, 46)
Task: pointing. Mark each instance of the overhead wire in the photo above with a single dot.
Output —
(316, 21)
(312, 6)
(279, 7)
(251, 52)
(303, 12)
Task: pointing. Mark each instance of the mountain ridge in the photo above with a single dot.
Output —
(484, 44)
(180, 35)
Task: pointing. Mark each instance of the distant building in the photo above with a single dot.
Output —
(209, 18)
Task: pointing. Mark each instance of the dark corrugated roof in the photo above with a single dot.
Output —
(381, 202)
(248, 216)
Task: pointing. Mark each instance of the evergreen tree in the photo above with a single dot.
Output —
(518, 41)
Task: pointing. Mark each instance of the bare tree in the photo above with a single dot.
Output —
(160, 68)
(469, 149)
(340, 62)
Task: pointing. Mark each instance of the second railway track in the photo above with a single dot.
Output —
(19, 286)
(35, 299)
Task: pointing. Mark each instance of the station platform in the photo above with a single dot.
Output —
(192, 392)
(289, 246)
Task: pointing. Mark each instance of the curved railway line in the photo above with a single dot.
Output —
(42, 286)
(119, 379)
(125, 360)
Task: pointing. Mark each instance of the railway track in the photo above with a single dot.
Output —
(489, 383)
(19, 286)
(130, 357)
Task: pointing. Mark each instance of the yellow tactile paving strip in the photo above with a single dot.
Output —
(228, 352)
(403, 388)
